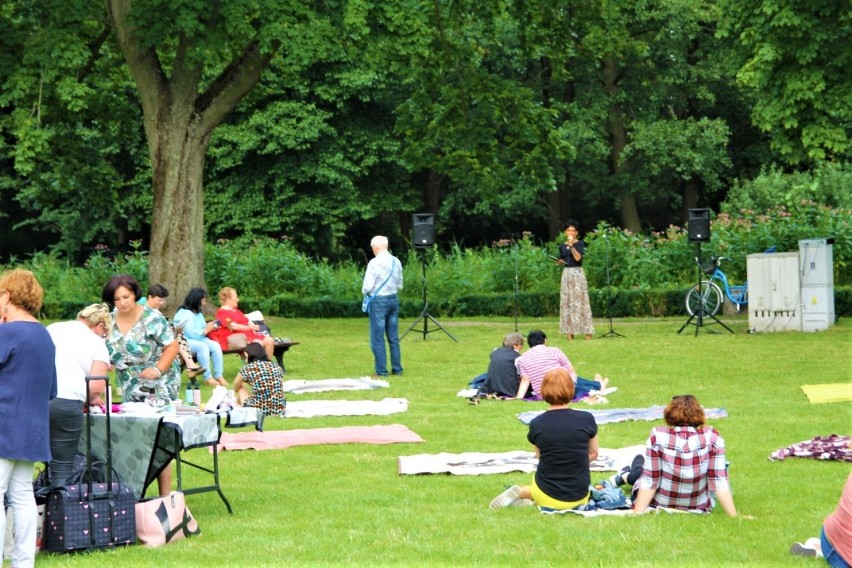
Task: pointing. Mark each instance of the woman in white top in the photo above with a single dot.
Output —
(80, 352)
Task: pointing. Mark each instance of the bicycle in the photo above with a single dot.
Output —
(709, 295)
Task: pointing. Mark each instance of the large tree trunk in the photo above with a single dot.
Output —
(177, 223)
(618, 141)
(690, 197)
(179, 120)
(432, 191)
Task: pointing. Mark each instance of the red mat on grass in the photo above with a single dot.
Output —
(280, 439)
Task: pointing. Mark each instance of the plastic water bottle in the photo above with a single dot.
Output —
(189, 397)
(196, 393)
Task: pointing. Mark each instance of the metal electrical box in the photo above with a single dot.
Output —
(774, 292)
(816, 266)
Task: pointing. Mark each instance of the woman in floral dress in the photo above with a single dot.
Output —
(141, 344)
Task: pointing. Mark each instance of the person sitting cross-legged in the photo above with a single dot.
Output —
(266, 380)
(565, 441)
(502, 376)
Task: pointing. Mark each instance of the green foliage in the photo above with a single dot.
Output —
(828, 184)
(795, 61)
(629, 274)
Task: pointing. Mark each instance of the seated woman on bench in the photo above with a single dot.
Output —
(234, 321)
(198, 332)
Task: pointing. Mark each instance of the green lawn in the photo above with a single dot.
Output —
(346, 504)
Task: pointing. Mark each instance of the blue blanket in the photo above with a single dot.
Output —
(610, 415)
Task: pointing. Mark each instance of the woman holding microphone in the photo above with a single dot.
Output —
(575, 310)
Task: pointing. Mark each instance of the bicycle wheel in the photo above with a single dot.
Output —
(707, 295)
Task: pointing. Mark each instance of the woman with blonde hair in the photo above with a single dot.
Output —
(565, 441)
(28, 376)
(234, 321)
(80, 352)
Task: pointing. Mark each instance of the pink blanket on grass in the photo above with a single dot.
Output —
(281, 439)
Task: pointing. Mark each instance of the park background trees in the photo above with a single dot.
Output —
(168, 125)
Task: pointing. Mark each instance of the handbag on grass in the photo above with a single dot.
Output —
(237, 341)
(162, 520)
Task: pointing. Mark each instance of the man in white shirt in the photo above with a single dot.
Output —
(382, 281)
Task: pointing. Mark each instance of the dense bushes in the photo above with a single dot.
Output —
(647, 274)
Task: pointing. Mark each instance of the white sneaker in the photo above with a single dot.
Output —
(523, 503)
(506, 498)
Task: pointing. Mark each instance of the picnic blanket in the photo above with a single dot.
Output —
(311, 408)
(611, 415)
(280, 439)
(832, 448)
(591, 397)
(619, 512)
(324, 385)
(479, 463)
(834, 392)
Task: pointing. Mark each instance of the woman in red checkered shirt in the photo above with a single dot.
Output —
(684, 463)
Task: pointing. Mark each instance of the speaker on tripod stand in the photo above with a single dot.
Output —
(698, 230)
(423, 237)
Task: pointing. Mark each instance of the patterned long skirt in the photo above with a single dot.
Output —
(575, 311)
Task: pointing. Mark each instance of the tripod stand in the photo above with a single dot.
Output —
(425, 316)
(611, 332)
(700, 313)
(517, 302)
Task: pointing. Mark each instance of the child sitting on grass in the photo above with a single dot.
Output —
(266, 379)
(565, 441)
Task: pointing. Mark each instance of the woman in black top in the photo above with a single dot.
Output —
(565, 441)
(575, 311)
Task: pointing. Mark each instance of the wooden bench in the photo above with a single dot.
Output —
(281, 347)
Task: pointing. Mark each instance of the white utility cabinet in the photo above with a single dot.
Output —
(816, 266)
(774, 292)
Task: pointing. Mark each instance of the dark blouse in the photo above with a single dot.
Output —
(565, 255)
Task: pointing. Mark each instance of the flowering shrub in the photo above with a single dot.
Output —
(635, 273)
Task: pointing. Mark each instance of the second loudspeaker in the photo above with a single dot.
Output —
(423, 229)
(699, 225)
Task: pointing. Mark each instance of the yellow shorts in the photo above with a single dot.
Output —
(542, 499)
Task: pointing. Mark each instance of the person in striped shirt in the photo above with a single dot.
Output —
(539, 359)
(684, 463)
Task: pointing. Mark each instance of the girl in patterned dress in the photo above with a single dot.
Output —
(266, 378)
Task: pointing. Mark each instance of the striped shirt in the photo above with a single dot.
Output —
(540, 359)
(684, 465)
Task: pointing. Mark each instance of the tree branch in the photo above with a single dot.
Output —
(232, 84)
(143, 62)
(95, 49)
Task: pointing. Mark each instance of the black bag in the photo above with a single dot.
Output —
(86, 514)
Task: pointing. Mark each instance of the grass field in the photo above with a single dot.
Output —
(346, 504)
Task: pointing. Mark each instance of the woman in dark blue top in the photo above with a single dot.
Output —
(27, 383)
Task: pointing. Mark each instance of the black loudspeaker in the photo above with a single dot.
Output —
(423, 229)
(699, 225)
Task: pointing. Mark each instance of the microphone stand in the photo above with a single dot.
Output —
(517, 302)
(611, 332)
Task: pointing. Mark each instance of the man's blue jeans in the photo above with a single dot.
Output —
(384, 322)
(583, 386)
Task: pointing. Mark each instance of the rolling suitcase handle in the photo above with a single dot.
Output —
(108, 456)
